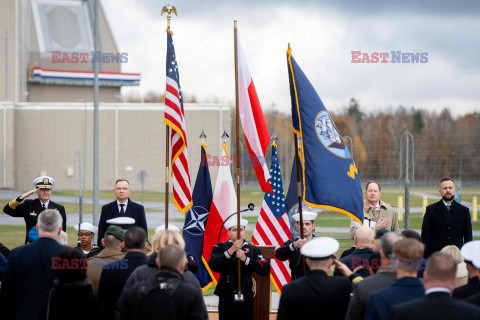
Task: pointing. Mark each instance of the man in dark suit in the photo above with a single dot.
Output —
(437, 304)
(407, 257)
(30, 270)
(446, 222)
(30, 209)
(363, 256)
(316, 295)
(470, 251)
(115, 274)
(122, 207)
(384, 277)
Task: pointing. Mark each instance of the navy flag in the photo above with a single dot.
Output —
(330, 177)
(196, 219)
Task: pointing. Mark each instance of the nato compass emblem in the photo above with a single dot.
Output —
(197, 223)
(328, 134)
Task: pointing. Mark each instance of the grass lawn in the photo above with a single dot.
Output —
(12, 236)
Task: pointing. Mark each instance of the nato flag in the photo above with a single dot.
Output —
(196, 218)
(330, 177)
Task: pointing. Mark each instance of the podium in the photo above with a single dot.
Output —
(263, 296)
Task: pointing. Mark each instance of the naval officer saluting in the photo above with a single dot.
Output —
(30, 209)
(316, 295)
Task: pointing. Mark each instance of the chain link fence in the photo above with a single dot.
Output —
(421, 185)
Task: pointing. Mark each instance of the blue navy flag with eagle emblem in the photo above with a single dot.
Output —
(196, 219)
(330, 177)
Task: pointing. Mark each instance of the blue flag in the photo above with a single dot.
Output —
(330, 177)
(196, 219)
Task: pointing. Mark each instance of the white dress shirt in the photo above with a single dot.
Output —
(124, 207)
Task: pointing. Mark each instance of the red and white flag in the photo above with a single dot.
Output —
(253, 121)
(224, 203)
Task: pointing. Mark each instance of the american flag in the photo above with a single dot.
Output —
(175, 119)
(273, 227)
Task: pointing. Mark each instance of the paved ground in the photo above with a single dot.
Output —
(212, 302)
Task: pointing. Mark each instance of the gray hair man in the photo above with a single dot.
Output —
(30, 271)
(363, 254)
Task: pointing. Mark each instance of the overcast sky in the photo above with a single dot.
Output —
(322, 36)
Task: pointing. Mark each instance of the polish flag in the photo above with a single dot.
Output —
(224, 203)
(253, 121)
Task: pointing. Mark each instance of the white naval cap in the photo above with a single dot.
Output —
(171, 227)
(44, 182)
(476, 261)
(307, 214)
(123, 222)
(87, 226)
(320, 248)
(471, 250)
(232, 221)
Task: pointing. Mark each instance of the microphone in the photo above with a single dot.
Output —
(250, 206)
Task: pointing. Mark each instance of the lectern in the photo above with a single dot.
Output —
(263, 296)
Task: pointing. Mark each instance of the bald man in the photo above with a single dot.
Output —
(363, 256)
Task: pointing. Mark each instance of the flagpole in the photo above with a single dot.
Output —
(168, 9)
(299, 187)
(237, 144)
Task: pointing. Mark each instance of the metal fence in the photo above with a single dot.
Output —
(407, 194)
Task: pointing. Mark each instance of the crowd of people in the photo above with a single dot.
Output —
(387, 274)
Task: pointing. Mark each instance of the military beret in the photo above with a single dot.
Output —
(115, 231)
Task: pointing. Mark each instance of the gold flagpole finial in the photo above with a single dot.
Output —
(169, 9)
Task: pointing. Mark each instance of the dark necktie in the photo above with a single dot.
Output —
(448, 208)
(43, 206)
(122, 212)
